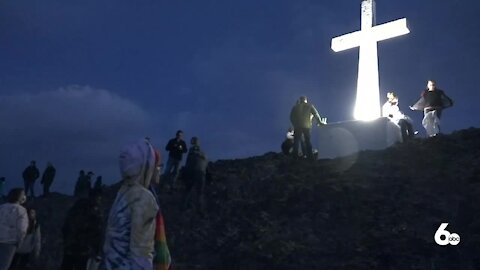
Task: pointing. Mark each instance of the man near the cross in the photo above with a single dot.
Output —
(301, 117)
(432, 102)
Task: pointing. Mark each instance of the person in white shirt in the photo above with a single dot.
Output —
(391, 110)
(13, 226)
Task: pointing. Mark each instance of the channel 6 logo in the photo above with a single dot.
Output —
(444, 237)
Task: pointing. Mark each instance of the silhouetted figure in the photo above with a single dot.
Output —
(47, 178)
(98, 186)
(13, 226)
(176, 148)
(432, 102)
(2, 186)
(28, 252)
(301, 117)
(30, 174)
(391, 110)
(195, 172)
(82, 232)
(83, 186)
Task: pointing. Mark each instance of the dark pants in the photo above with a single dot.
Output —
(406, 129)
(71, 262)
(21, 262)
(171, 171)
(29, 186)
(7, 251)
(195, 183)
(46, 188)
(304, 133)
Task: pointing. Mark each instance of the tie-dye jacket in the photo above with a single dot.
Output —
(129, 240)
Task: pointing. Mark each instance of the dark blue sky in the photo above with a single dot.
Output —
(78, 79)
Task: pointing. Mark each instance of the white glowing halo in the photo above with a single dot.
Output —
(367, 105)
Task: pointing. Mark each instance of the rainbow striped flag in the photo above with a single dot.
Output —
(162, 259)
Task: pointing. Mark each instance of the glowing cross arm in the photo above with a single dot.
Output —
(347, 41)
(380, 32)
(391, 29)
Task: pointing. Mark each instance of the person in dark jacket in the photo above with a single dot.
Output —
(301, 118)
(30, 174)
(98, 186)
(176, 148)
(195, 170)
(2, 186)
(432, 102)
(83, 185)
(82, 232)
(47, 178)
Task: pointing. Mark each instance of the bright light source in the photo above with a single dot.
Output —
(367, 105)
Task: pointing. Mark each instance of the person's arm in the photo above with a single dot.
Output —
(385, 110)
(169, 146)
(38, 243)
(142, 232)
(22, 225)
(446, 101)
(316, 115)
(419, 105)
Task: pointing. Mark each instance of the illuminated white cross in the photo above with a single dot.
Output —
(367, 106)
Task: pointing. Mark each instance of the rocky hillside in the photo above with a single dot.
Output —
(373, 210)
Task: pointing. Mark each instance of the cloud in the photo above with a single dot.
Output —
(76, 127)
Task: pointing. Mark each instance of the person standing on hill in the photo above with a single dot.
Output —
(176, 148)
(82, 232)
(47, 178)
(2, 186)
(30, 174)
(195, 169)
(432, 101)
(83, 185)
(13, 226)
(301, 118)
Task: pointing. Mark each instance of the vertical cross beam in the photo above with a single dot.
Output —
(367, 105)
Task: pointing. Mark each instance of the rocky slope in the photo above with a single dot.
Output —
(373, 210)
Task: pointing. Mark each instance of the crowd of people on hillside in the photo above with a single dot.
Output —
(133, 236)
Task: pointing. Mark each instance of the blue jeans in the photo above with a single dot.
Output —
(171, 171)
(7, 251)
